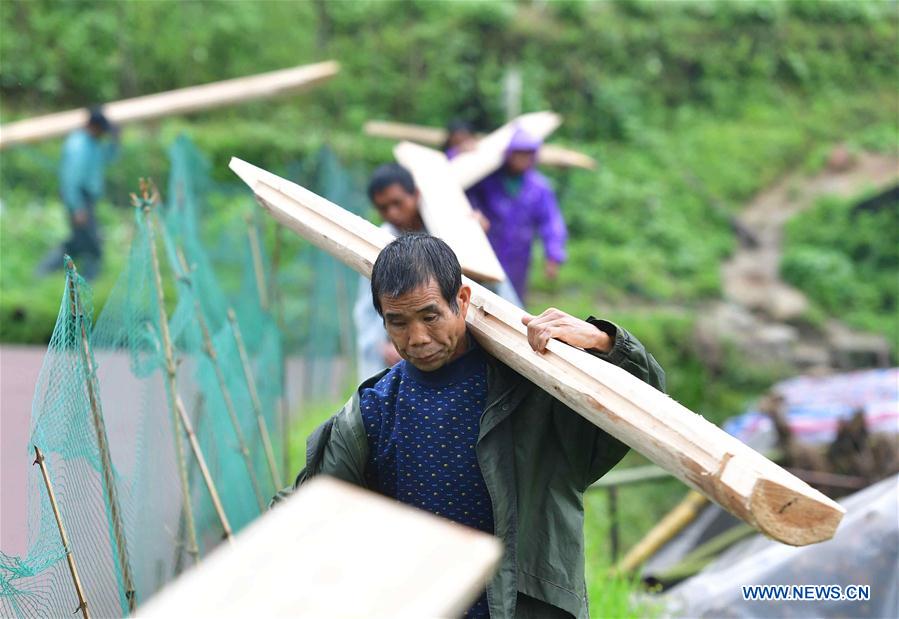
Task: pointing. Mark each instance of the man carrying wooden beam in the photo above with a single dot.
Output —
(456, 432)
(460, 138)
(85, 156)
(394, 194)
(520, 205)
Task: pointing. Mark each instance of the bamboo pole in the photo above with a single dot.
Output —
(277, 299)
(697, 452)
(109, 485)
(701, 556)
(70, 558)
(187, 514)
(181, 101)
(344, 312)
(254, 398)
(669, 526)
(212, 353)
(269, 297)
(181, 544)
(626, 477)
(146, 203)
(258, 269)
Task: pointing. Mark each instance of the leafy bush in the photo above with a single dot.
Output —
(847, 261)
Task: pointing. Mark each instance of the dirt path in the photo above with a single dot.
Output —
(751, 277)
(758, 305)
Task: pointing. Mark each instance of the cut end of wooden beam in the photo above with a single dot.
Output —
(247, 172)
(794, 518)
(253, 175)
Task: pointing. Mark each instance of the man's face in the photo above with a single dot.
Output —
(520, 161)
(96, 131)
(398, 207)
(460, 138)
(424, 329)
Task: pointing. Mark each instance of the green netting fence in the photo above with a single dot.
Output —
(201, 330)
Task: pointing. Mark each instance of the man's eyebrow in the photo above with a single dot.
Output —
(427, 309)
(392, 315)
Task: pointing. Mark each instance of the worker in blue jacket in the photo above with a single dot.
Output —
(85, 155)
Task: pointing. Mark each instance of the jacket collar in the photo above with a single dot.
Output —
(503, 394)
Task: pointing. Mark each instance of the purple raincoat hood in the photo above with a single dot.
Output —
(522, 140)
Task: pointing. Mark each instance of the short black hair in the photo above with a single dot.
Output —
(98, 119)
(387, 175)
(459, 124)
(413, 260)
(455, 126)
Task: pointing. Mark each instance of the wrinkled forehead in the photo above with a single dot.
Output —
(421, 299)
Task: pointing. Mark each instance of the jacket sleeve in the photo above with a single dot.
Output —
(551, 226)
(593, 450)
(72, 173)
(338, 448)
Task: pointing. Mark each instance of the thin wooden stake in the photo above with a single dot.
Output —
(344, 311)
(212, 353)
(175, 403)
(109, 486)
(669, 526)
(254, 397)
(278, 300)
(181, 543)
(258, 270)
(70, 558)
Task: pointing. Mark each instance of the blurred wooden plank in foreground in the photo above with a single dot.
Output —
(181, 101)
(447, 213)
(697, 452)
(335, 550)
(549, 154)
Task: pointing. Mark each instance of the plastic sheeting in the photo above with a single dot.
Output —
(865, 551)
(816, 404)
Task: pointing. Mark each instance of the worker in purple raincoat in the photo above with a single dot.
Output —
(520, 204)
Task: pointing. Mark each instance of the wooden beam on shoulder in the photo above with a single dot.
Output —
(447, 213)
(697, 452)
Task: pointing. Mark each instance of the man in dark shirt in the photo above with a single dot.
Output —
(452, 430)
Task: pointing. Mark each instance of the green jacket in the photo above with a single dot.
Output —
(537, 457)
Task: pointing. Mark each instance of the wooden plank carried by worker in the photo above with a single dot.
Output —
(446, 212)
(697, 452)
(335, 550)
(181, 101)
(488, 154)
(549, 154)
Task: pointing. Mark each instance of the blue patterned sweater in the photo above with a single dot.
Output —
(422, 430)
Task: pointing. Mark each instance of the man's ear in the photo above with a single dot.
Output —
(463, 299)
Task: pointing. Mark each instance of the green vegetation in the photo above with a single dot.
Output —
(847, 263)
